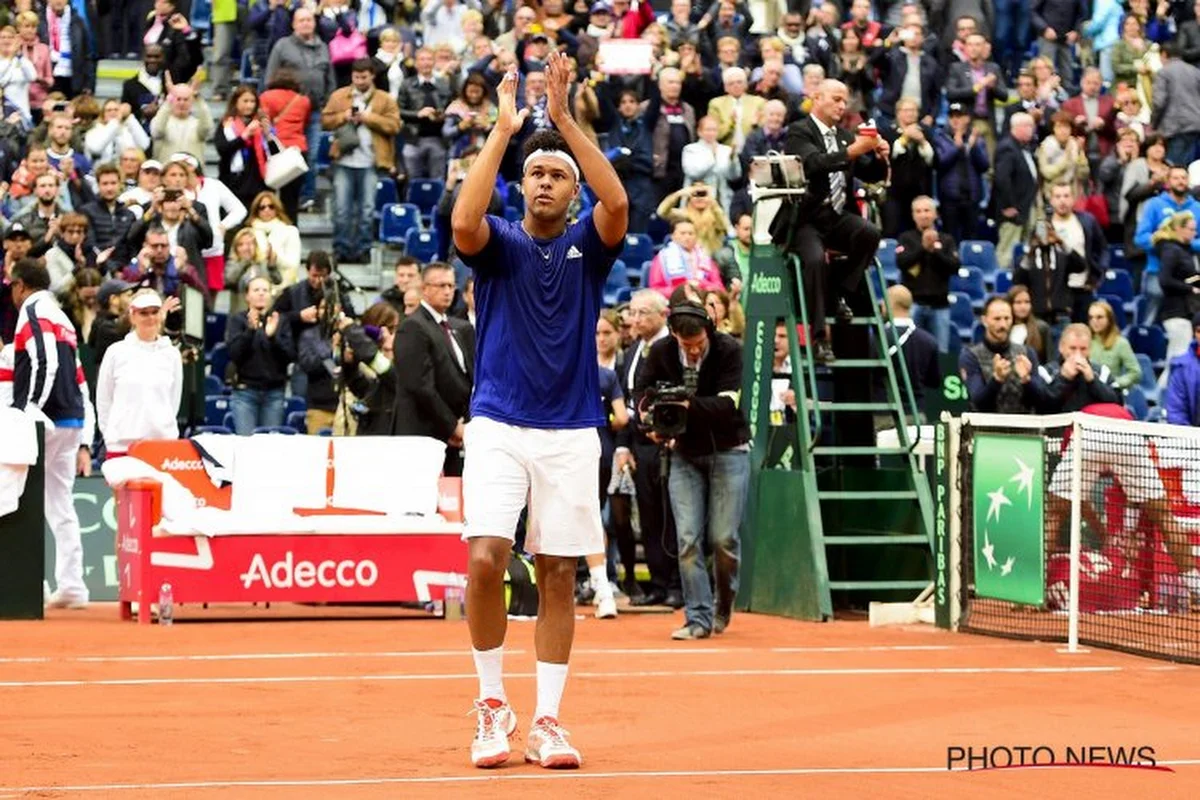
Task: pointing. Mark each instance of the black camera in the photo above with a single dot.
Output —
(666, 409)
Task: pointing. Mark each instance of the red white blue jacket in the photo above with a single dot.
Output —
(46, 369)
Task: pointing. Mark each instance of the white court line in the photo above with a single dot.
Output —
(443, 653)
(496, 777)
(441, 676)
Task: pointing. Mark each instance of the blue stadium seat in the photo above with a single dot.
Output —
(1017, 254)
(1116, 257)
(1139, 308)
(227, 422)
(1135, 401)
(295, 404)
(515, 198)
(220, 429)
(618, 279)
(586, 192)
(396, 220)
(425, 194)
(513, 214)
(1149, 382)
(1120, 283)
(214, 328)
(977, 333)
(215, 409)
(295, 421)
(891, 275)
(1118, 308)
(969, 281)
(385, 194)
(421, 245)
(878, 283)
(281, 429)
(1151, 340)
(213, 385)
(325, 432)
(624, 295)
(1157, 414)
(887, 254)
(962, 315)
(657, 228)
(979, 253)
(1003, 281)
(218, 360)
(323, 145)
(644, 280)
(635, 275)
(639, 247)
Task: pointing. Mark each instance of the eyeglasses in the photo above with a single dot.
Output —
(266, 207)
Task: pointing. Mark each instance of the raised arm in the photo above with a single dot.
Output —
(611, 215)
(468, 223)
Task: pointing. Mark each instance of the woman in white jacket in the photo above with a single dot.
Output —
(278, 239)
(141, 380)
(707, 160)
(119, 130)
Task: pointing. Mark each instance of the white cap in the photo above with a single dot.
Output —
(150, 163)
(148, 299)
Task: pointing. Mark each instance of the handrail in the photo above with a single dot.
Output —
(809, 362)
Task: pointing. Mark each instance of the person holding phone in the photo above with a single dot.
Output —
(698, 204)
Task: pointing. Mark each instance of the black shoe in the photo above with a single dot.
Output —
(823, 353)
(633, 591)
(721, 621)
(844, 312)
(655, 598)
(674, 600)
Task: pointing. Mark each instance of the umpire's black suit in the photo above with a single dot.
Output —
(812, 224)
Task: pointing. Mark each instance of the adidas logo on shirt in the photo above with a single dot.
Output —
(574, 252)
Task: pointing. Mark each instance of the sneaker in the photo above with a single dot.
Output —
(720, 623)
(607, 608)
(548, 746)
(496, 724)
(60, 599)
(690, 632)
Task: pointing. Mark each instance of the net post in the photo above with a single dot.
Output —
(1076, 534)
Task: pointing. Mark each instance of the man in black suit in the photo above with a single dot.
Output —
(436, 358)
(1016, 194)
(919, 348)
(826, 216)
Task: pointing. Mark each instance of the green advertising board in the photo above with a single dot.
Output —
(1008, 519)
(96, 507)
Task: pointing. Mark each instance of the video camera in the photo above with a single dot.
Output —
(666, 409)
(335, 288)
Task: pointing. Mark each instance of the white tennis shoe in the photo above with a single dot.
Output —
(548, 747)
(495, 725)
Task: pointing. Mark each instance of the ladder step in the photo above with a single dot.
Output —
(831, 406)
(903, 494)
(850, 363)
(876, 539)
(853, 321)
(859, 451)
(860, 586)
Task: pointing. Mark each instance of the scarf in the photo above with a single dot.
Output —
(235, 128)
(155, 31)
(679, 265)
(153, 83)
(263, 231)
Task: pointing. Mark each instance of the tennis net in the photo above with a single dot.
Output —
(1075, 528)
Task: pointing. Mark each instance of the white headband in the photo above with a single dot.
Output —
(559, 154)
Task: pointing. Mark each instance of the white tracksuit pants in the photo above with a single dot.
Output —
(62, 448)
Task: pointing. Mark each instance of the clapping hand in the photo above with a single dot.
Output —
(508, 119)
(558, 82)
(1024, 368)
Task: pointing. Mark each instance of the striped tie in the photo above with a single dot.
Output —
(837, 180)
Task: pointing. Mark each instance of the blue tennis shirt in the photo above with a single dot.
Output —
(536, 306)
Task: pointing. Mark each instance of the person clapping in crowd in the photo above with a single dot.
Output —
(260, 349)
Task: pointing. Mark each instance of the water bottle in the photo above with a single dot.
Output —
(166, 605)
(455, 599)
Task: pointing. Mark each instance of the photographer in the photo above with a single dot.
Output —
(298, 304)
(709, 456)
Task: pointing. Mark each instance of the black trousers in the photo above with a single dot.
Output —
(657, 522)
(848, 234)
(960, 220)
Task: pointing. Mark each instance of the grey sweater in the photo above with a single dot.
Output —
(311, 62)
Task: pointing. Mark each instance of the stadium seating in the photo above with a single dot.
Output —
(215, 409)
(969, 281)
(1018, 252)
(396, 220)
(1119, 283)
(1116, 257)
(618, 279)
(218, 360)
(325, 432)
(962, 315)
(213, 385)
(1003, 281)
(977, 333)
(1150, 340)
(219, 429)
(624, 295)
(587, 195)
(295, 421)
(887, 254)
(227, 422)
(657, 228)
(515, 198)
(295, 404)
(1117, 306)
(385, 194)
(1139, 308)
(323, 145)
(1149, 382)
(214, 328)
(425, 194)
(421, 245)
(979, 253)
(1135, 401)
(513, 214)
(639, 247)
(281, 429)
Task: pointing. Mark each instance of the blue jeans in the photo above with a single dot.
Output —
(254, 408)
(353, 209)
(312, 132)
(1154, 298)
(1181, 148)
(936, 321)
(1011, 37)
(708, 496)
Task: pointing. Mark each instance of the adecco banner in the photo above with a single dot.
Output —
(96, 507)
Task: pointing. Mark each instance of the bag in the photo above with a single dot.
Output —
(345, 140)
(284, 166)
(344, 49)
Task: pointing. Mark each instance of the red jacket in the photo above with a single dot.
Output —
(1106, 136)
(289, 111)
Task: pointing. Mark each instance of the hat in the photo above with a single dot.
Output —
(16, 231)
(601, 7)
(150, 163)
(109, 288)
(149, 299)
(186, 158)
(958, 108)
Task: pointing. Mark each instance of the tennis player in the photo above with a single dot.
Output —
(536, 407)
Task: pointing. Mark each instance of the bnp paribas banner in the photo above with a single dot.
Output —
(1007, 498)
(96, 508)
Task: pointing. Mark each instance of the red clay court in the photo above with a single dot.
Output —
(363, 707)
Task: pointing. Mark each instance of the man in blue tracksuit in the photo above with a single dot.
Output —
(1182, 400)
(1176, 198)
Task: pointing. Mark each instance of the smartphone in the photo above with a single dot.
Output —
(1039, 231)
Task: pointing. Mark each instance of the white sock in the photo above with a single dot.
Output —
(489, 666)
(600, 582)
(1191, 579)
(551, 680)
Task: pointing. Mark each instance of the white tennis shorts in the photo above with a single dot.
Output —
(555, 471)
(1125, 455)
